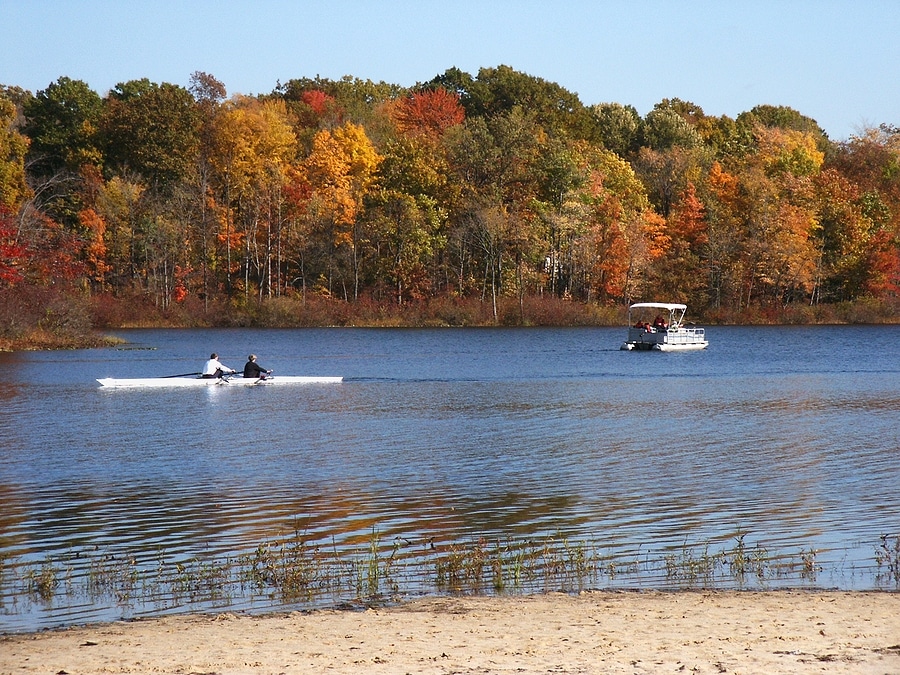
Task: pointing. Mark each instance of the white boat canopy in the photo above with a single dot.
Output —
(668, 306)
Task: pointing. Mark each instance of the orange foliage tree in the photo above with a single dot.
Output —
(625, 235)
(680, 273)
(95, 247)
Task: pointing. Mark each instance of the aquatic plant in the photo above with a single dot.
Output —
(200, 580)
(42, 581)
(689, 568)
(887, 559)
(114, 575)
(743, 561)
(809, 569)
(368, 570)
(292, 570)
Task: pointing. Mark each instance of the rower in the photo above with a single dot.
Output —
(253, 369)
(214, 368)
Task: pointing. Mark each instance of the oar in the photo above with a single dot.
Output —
(163, 377)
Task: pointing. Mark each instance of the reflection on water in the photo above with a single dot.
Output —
(441, 438)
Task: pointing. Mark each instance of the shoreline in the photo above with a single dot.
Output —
(783, 631)
(102, 337)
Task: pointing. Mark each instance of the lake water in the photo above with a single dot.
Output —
(781, 443)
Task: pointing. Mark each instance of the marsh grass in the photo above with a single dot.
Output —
(113, 576)
(293, 570)
(42, 581)
(887, 559)
(741, 565)
(495, 566)
(692, 567)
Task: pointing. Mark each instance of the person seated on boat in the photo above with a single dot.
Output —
(659, 323)
(253, 369)
(214, 368)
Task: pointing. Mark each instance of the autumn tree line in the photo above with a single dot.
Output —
(502, 192)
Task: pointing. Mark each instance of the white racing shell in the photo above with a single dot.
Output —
(234, 381)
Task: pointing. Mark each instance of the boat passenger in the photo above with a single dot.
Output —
(214, 368)
(659, 323)
(253, 369)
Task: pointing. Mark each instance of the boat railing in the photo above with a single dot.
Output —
(681, 334)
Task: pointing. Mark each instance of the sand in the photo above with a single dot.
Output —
(598, 632)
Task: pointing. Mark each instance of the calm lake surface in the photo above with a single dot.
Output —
(785, 439)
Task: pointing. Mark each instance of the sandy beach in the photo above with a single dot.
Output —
(597, 632)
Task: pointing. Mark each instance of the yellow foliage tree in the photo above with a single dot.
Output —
(788, 151)
(118, 205)
(254, 148)
(340, 170)
(13, 146)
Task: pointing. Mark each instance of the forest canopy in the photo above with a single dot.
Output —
(499, 188)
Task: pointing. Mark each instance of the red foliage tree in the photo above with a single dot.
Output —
(315, 108)
(61, 256)
(12, 253)
(429, 112)
(317, 100)
(884, 263)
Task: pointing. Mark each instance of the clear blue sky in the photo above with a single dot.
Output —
(836, 61)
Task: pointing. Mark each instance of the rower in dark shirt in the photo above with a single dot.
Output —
(253, 369)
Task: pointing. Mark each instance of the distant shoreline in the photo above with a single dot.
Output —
(40, 341)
